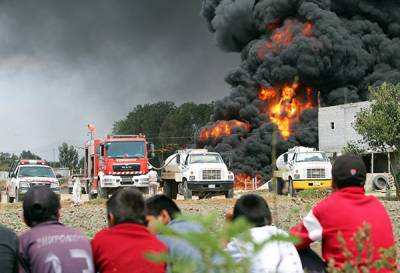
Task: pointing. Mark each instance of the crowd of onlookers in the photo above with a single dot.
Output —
(51, 247)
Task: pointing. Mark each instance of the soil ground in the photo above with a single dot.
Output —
(91, 216)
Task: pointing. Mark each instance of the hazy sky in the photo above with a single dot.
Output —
(64, 64)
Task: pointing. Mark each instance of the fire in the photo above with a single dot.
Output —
(222, 128)
(244, 181)
(288, 107)
(283, 36)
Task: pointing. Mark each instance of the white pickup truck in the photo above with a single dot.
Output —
(24, 174)
(303, 168)
(196, 172)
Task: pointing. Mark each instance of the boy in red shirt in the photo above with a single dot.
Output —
(343, 213)
(122, 247)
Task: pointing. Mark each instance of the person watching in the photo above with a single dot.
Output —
(8, 250)
(49, 246)
(122, 247)
(274, 256)
(163, 209)
(343, 213)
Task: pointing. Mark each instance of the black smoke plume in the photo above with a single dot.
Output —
(352, 44)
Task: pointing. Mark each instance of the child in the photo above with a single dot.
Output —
(274, 257)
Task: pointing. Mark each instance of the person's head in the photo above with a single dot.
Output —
(40, 205)
(254, 209)
(126, 206)
(348, 171)
(161, 208)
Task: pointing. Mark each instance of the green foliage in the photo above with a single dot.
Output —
(29, 155)
(363, 260)
(6, 160)
(68, 156)
(379, 124)
(353, 148)
(210, 243)
(145, 119)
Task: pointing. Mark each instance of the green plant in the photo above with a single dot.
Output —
(210, 243)
(362, 261)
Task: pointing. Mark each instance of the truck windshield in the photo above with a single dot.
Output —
(310, 157)
(125, 149)
(35, 171)
(205, 158)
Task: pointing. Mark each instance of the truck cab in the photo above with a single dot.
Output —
(304, 168)
(197, 172)
(117, 161)
(25, 174)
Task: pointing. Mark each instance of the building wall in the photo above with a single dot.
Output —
(335, 128)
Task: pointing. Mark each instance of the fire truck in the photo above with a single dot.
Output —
(117, 161)
(25, 174)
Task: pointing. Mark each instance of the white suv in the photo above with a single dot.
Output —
(28, 173)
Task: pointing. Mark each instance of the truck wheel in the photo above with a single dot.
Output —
(102, 192)
(9, 198)
(17, 196)
(229, 194)
(279, 186)
(292, 190)
(167, 189)
(170, 188)
(187, 193)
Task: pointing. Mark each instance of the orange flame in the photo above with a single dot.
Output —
(283, 36)
(222, 128)
(288, 108)
(243, 181)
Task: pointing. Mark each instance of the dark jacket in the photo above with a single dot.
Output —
(8, 250)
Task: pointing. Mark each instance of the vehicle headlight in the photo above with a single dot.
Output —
(24, 185)
(54, 185)
(231, 176)
(192, 178)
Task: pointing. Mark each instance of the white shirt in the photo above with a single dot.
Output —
(274, 257)
(152, 176)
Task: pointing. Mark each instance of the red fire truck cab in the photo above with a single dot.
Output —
(117, 161)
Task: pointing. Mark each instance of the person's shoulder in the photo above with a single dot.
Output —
(7, 233)
(185, 226)
(100, 235)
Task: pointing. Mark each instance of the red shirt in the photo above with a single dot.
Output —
(122, 249)
(345, 211)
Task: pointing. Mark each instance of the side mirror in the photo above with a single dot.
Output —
(150, 150)
(285, 158)
(178, 159)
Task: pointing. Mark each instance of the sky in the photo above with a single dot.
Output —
(64, 64)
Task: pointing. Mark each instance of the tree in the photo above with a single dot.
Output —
(68, 156)
(379, 124)
(145, 119)
(181, 125)
(29, 155)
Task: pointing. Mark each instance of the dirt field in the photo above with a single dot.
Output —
(91, 216)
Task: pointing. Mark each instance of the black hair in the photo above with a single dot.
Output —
(349, 170)
(254, 209)
(157, 203)
(127, 206)
(40, 205)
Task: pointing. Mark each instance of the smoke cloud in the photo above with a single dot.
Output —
(336, 48)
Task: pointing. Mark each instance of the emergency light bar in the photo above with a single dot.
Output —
(32, 162)
(126, 136)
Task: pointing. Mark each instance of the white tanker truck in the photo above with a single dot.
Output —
(303, 168)
(196, 172)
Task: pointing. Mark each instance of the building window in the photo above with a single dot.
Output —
(332, 125)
